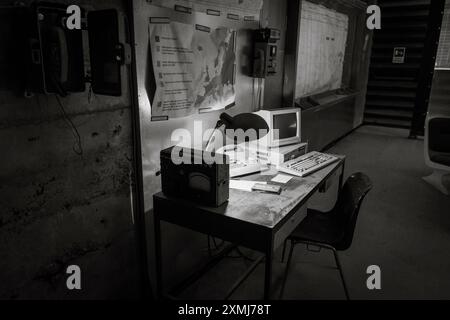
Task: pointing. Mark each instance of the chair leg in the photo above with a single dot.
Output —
(287, 269)
(436, 179)
(338, 264)
(284, 250)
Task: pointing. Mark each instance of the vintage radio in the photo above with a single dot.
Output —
(190, 174)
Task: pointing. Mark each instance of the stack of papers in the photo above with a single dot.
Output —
(282, 178)
(245, 185)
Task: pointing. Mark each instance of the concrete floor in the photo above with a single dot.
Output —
(403, 227)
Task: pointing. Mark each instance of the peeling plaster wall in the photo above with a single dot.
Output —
(59, 208)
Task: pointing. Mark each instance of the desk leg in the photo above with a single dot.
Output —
(341, 177)
(158, 256)
(268, 273)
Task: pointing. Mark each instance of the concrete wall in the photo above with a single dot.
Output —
(59, 208)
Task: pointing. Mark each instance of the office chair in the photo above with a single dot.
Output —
(437, 150)
(332, 230)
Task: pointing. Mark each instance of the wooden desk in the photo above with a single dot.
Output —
(259, 221)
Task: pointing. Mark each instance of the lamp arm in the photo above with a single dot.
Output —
(219, 124)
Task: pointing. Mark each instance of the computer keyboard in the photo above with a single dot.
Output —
(238, 169)
(308, 163)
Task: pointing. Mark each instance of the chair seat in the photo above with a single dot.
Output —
(335, 229)
(319, 227)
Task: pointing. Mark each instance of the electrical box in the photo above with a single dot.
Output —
(106, 52)
(14, 27)
(265, 52)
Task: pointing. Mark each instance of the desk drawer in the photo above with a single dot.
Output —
(288, 227)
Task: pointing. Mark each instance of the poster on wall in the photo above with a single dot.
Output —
(399, 55)
(233, 9)
(193, 69)
(321, 51)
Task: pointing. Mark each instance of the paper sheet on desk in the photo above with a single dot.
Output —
(282, 178)
(245, 185)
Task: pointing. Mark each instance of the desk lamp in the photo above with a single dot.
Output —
(243, 121)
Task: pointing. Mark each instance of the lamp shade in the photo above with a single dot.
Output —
(245, 121)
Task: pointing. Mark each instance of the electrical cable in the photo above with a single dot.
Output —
(209, 245)
(215, 243)
(89, 97)
(75, 132)
(240, 255)
(253, 94)
(217, 247)
(259, 92)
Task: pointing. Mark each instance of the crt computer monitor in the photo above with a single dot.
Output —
(288, 124)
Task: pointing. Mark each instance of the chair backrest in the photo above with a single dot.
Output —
(437, 137)
(348, 204)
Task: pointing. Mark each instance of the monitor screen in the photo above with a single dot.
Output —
(286, 124)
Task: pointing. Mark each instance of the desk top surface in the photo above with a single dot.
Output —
(264, 208)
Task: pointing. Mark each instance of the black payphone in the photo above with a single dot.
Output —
(41, 55)
(265, 52)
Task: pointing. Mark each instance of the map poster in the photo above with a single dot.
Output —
(192, 68)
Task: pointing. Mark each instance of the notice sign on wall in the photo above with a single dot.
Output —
(399, 55)
(321, 49)
(193, 69)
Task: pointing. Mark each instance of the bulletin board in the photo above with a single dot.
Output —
(193, 68)
(322, 49)
(443, 54)
(191, 62)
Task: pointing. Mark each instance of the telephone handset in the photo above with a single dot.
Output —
(59, 54)
(260, 62)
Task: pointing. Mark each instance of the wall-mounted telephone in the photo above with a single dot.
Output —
(58, 57)
(106, 52)
(265, 52)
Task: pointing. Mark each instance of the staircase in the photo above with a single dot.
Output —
(396, 93)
